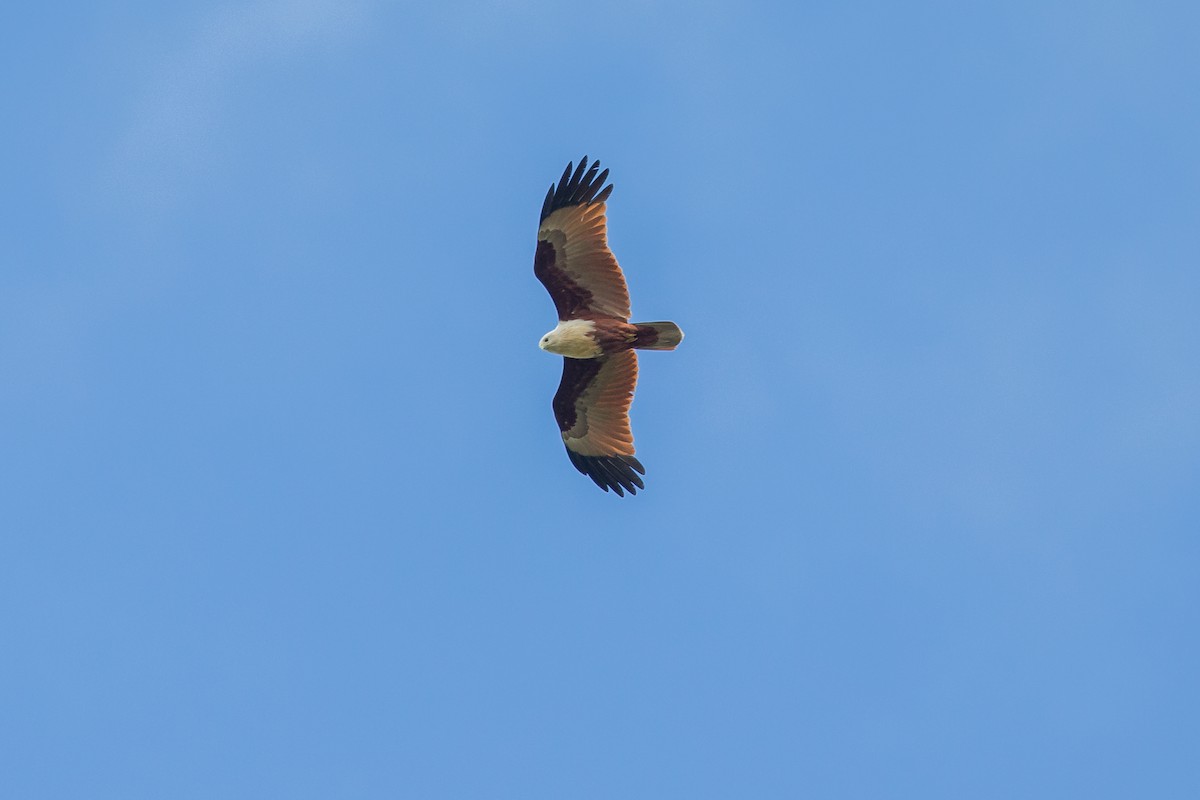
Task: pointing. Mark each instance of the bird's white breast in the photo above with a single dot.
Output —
(572, 338)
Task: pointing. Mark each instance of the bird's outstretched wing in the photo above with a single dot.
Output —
(573, 261)
(592, 409)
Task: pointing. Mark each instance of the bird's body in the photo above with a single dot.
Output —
(594, 334)
(593, 338)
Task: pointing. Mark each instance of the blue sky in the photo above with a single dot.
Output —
(285, 512)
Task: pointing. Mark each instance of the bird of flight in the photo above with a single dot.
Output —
(594, 334)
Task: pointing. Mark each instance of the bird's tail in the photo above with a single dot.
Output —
(657, 336)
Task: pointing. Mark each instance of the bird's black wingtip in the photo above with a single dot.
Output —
(618, 473)
(578, 186)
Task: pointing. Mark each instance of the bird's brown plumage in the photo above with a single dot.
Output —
(592, 410)
(585, 282)
(573, 260)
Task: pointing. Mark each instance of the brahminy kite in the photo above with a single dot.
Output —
(594, 334)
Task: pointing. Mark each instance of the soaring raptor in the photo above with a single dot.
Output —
(594, 334)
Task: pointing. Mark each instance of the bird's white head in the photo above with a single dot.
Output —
(571, 338)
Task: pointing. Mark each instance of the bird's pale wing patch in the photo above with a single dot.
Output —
(592, 409)
(573, 261)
